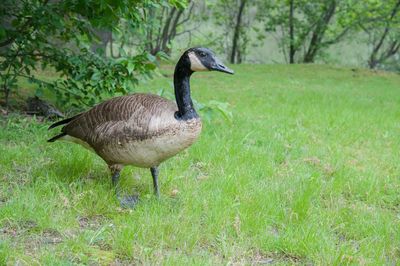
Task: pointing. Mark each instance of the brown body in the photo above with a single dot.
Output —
(138, 129)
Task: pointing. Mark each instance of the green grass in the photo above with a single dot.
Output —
(307, 173)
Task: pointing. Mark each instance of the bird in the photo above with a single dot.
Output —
(143, 130)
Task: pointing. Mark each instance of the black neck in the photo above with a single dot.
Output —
(182, 92)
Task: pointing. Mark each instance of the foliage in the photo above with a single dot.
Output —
(62, 35)
(164, 21)
(382, 26)
(88, 77)
(306, 28)
(57, 34)
(235, 20)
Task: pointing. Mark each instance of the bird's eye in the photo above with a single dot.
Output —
(202, 54)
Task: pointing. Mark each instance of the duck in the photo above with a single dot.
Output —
(143, 130)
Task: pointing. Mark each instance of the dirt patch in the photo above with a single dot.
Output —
(26, 234)
(262, 258)
(91, 222)
(200, 168)
(326, 168)
(312, 160)
(3, 200)
(18, 228)
(122, 262)
(103, 245)
(35, 242)
(51, 236)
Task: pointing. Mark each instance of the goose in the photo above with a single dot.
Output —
(143, 130)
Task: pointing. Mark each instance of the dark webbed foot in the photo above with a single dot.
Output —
(129, 201)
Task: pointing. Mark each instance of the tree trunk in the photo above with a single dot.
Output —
(6, 91)
(318, 34)
(236, 34)
(373, 60)
(149, 32)
(166, 30)
(292, 50)
(372, 63)
(161, 32)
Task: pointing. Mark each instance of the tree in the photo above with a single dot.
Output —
(306, 28)
(165, 24)
(382, 25)
(58, 34)
(235, 54)
(165, 20)
(235, 19)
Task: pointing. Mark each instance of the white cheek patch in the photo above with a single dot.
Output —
(195, 63)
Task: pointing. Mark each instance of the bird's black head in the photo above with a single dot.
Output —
(203, 59)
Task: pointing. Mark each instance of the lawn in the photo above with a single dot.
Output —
(307, 172)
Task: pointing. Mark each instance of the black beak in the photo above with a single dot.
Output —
(219, 66)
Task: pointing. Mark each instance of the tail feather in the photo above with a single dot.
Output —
(57, 137)
(62, 122)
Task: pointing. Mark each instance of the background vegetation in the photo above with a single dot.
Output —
(99, 48)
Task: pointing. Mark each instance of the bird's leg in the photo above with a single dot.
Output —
(115, 170)
(115, 178)
(154, 172)
(125, 201)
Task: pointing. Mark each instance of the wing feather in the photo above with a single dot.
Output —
(122, 119)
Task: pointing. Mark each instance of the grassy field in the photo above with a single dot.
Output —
(308, 172)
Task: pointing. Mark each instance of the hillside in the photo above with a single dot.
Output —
(306, 172)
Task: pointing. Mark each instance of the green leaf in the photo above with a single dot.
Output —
(151, 57)
(2, 33)
(39, 91)
(130, 67)
(96, 76)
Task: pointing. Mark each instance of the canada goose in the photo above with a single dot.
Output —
(143, 130)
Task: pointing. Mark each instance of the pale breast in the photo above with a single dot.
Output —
(158, 147)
